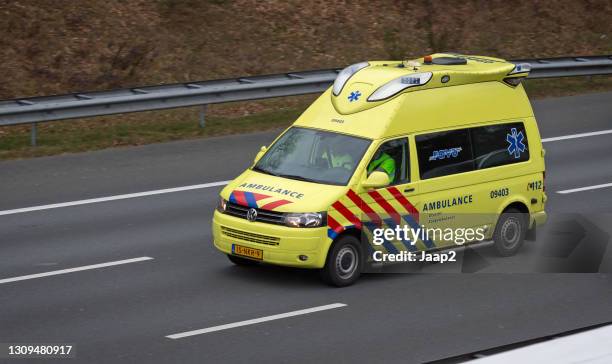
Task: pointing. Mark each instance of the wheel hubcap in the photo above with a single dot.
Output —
(346, 262)
(511, 232)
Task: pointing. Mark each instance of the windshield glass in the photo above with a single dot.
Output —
(314, 156)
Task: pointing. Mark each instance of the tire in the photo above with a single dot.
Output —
(510, 232)
(241, 261)
(344, 262)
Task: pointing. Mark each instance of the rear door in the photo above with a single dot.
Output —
(501, 153)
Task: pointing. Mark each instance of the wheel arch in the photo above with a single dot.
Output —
(517, 204)
(355, 232)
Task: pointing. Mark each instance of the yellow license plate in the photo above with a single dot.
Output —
(247, 252)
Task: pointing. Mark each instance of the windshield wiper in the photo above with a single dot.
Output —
(293, 176)
(258, 169)
(290, 176)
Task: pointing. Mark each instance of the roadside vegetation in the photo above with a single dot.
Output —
(162, 126)
(51, 47)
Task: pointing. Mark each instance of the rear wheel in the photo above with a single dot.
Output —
(510, 232)
(240, 261)
(343, 265)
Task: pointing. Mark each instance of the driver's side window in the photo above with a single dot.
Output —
(392, 158)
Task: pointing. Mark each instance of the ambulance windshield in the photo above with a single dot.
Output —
(313, 156)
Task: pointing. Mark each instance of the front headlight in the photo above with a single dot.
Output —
(307, 219)
(222, 205)
(345, 74)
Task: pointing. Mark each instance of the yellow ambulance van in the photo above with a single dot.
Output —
(430, 140)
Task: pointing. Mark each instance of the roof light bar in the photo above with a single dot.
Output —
(399, 84)
(345, 74)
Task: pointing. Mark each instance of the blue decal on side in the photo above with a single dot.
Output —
(387, 244)
(354, 96)
(415, 225)
(407, 243)
(515, 143)
(445, 153)
(332, 234)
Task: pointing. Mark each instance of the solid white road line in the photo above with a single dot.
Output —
(574, 136)
(256, 321)
(587, 188)
(71, 270)
(113, 198)
(214, 184)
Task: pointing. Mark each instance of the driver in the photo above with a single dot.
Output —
(383, 162)
(341, 157)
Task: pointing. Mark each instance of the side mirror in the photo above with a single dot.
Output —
(260, 154)
(376, 179)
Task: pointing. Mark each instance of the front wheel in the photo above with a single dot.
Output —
(510, 232)
(343, 265)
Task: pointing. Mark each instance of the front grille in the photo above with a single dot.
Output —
(250, 237)
(267, 216)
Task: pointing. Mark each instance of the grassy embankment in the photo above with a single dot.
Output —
(54, 47)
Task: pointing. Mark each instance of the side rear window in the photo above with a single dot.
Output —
(497, 145)
(444, 153)
(464, 150)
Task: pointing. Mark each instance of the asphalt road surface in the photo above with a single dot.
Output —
(179, 282)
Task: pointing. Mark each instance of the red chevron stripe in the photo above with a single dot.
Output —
(386, 206)
(274, 204)
(404, 201)
(373, 216)
(347, 214)
(259, 196)
(334, 225)
(240, 198)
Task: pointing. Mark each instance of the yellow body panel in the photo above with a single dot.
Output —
(425, 110)
(475, 95)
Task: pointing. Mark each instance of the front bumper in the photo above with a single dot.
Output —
(281, 245)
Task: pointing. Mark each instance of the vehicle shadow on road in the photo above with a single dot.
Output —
(481, 260)
(292, 277)
(274, 275)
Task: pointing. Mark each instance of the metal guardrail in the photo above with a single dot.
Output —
(146, 98)
(568, 66)
(87, 104)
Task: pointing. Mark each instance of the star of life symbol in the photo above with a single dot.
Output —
(515, 141)
(354, 96)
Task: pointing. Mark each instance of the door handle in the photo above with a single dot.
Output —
(409, 189)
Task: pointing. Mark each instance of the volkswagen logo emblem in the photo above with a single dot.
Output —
(251, 215)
